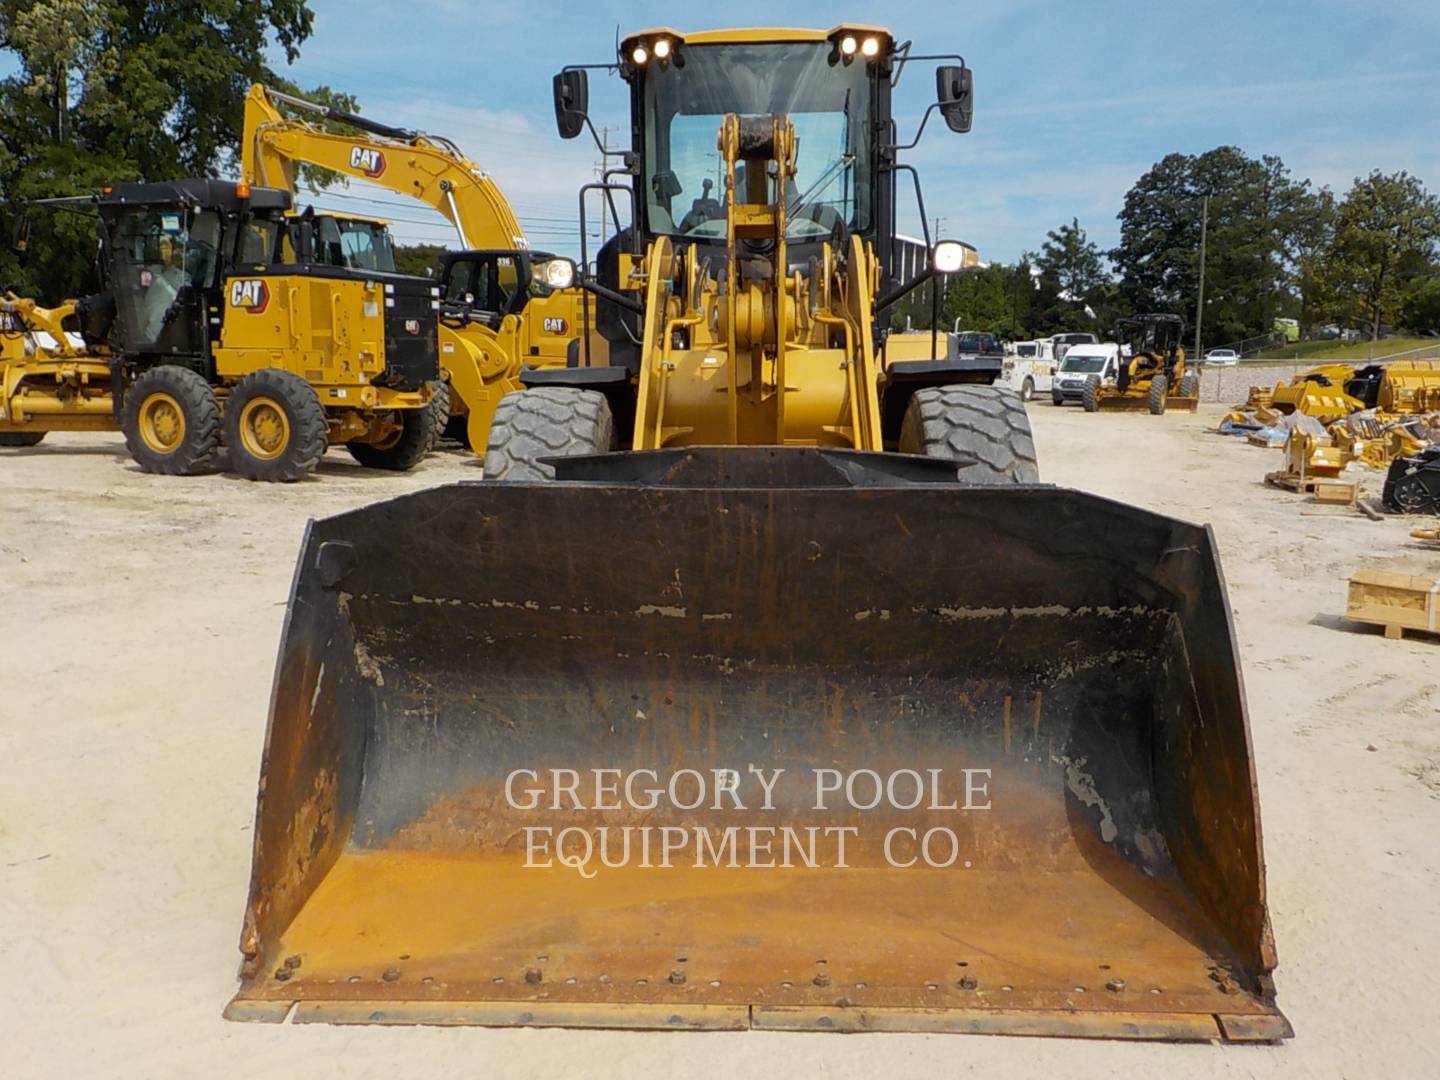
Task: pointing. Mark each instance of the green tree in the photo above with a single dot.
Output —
(415, 259)
(1386, 229)
(1074, 262)
(112, 90)
(1256, 221)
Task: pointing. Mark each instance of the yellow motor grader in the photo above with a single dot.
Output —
(760, 684)
(217, 324)
(1151, 373)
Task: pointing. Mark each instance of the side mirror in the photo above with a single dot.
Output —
(955, 93)
(572, 102)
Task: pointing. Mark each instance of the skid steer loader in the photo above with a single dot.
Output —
(758, 722)
(1153, 377)
(218, 323)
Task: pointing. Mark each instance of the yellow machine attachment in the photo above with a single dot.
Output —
(500, 316)
(1410, 386)
(1319, 392)
(1154, 377)
(687, 745)
(48, 382)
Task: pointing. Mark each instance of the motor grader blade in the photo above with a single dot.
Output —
(1118, 402)
(735, 738)
(1182, 402)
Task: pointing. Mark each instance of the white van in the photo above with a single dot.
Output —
(1080, 362)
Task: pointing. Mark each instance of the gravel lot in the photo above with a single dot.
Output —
(137, 636)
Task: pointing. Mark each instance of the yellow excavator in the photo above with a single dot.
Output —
(498, 315)
(776, 692)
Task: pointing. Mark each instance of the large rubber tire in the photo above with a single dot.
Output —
(171, 422)
(1159, 386)
(1027, 389)
(21, 438)
(439, 409)
(543, 422)
(419, 432)
(984, 422)
(1090, 396)
(275, 427)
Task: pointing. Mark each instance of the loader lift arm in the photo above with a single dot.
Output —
(425, 167)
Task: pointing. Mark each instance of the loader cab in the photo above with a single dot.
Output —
(167, 248)
(484, 286)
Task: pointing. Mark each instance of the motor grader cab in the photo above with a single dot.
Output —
(687, 744)
(218, 315)
(1152, 373)
(483, 349)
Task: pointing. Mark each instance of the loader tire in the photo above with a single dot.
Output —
(1159, 386)
(1090, 396)
(21, 438)
(544, 422)
(984, 422)
(275, 427)
(419, 432)
(1190, 385)
(171, 422)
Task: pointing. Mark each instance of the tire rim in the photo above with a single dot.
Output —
(264, 429)
(162, 423)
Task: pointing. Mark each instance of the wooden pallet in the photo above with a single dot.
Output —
(1398, 602)
(1305, 485)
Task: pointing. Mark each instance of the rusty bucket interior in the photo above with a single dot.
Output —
(1018, 707)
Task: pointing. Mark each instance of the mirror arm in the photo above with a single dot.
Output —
(629, 303)
(907, 58)
(915, 141)
(904, 289)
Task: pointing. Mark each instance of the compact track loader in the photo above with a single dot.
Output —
(760, 684)
(218, 323)
(1153, 376)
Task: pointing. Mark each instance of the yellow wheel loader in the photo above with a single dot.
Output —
(499, 315)
(1152, 374)
(776, 692)
(216, 325)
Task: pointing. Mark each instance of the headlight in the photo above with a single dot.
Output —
(557, 273)
(870, 47)
(848, 45)
(949, 256)
(662, 48)
(639, 55)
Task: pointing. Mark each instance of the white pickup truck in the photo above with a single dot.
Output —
(1029, 369)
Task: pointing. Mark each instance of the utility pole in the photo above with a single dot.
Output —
(1200, 300)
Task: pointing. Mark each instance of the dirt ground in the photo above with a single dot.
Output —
(139, 618)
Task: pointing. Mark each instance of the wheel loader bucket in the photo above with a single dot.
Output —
(783, 739)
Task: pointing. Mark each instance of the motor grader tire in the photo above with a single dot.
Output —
(439, 408)
(274, 427)
(20, 438)
(1159, 386)
(1090, 396)
(984, 422)
(171, 422)
(419, 432)
(1190, 385)
(545, 422)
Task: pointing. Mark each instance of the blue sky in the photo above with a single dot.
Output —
(1073, 100)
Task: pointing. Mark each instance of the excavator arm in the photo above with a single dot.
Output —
(424, 167)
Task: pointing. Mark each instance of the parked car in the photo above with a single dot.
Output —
(1222, 357)
(975, 343)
